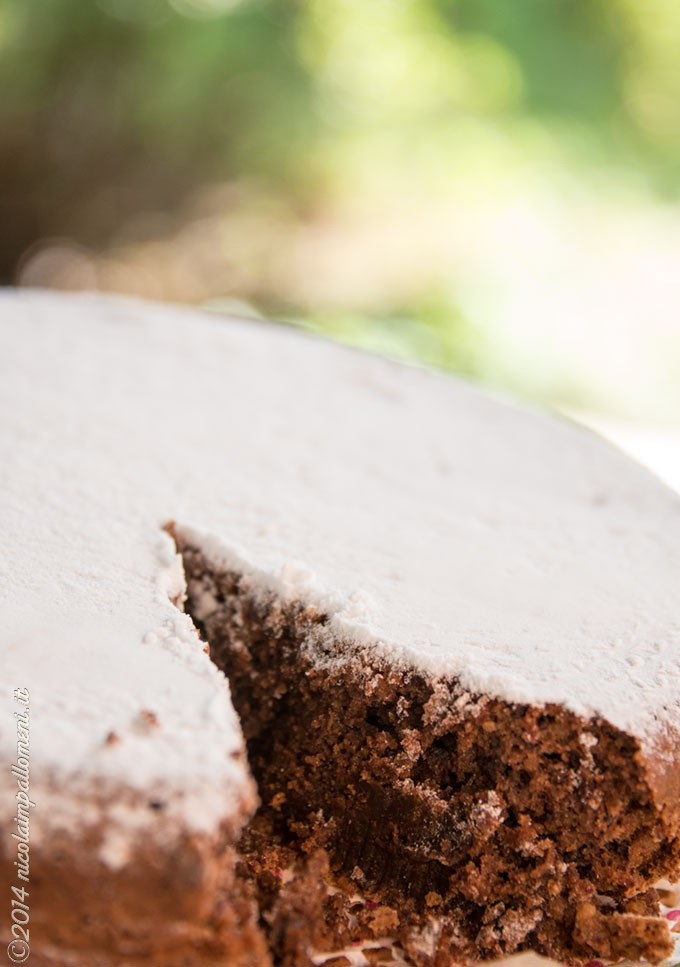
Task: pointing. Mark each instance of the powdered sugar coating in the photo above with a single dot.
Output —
(455, 533)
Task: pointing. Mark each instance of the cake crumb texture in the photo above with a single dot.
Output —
(475, 827)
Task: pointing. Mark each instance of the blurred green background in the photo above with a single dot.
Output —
(488, 186)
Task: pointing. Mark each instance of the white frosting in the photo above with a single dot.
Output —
(459, 534)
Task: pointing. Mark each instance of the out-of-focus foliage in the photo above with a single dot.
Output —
(330, 161)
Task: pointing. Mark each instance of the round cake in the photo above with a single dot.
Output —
(305, 650)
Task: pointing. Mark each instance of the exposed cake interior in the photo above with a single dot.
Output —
(458, 825)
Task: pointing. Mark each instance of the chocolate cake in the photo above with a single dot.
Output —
(322, 654)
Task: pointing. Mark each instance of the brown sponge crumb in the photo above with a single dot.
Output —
(465, 827)
(622, 935)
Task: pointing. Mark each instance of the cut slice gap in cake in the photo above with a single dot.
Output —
(402, 806)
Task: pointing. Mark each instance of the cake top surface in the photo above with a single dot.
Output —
(459, 534)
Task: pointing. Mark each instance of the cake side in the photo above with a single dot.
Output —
(128, 852)
(100, 897)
